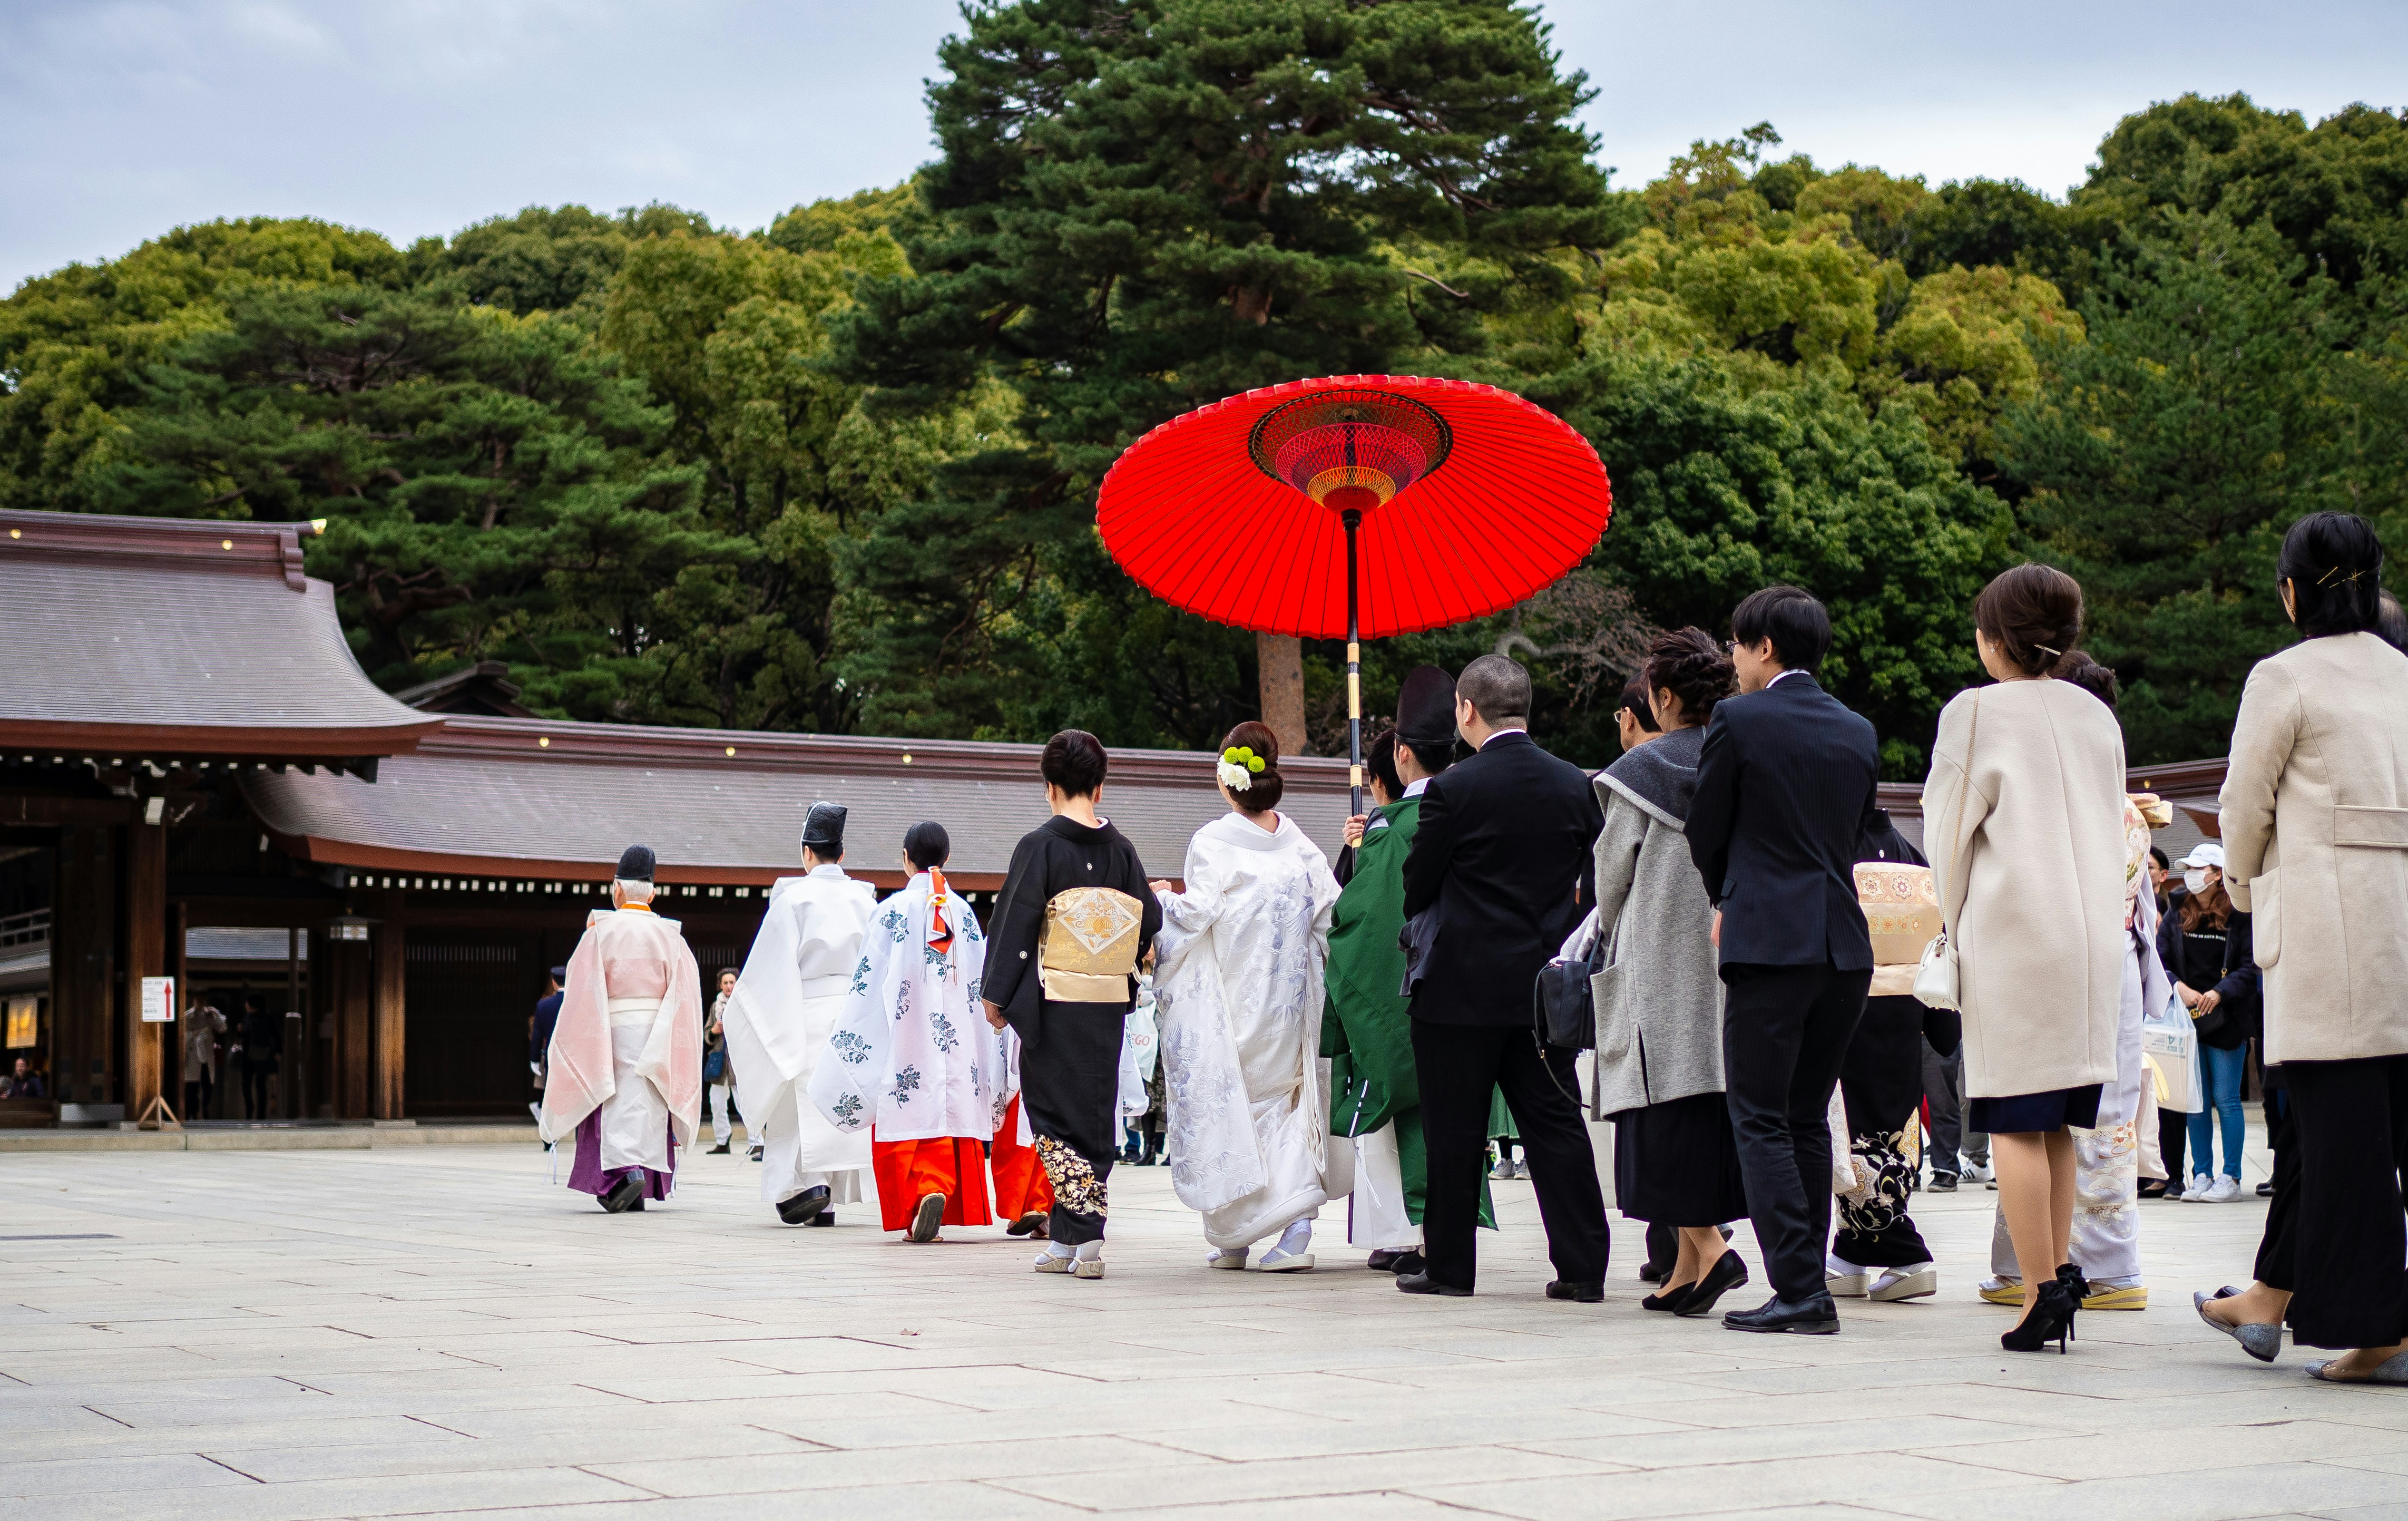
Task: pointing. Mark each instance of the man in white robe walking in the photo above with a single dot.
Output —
(785, 1007)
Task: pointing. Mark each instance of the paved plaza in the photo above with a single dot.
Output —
(274, 1336)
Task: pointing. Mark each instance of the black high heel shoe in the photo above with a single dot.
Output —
(2051, 1320)
(2077, 1292)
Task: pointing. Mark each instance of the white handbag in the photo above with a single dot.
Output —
(1935, 977)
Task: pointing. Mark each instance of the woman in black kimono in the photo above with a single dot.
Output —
(1072, 921)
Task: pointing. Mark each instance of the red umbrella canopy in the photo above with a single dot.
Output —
(1472, 500)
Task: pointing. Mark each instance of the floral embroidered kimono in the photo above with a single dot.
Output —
(912, 1061)
(1239, 981)
(1070, 925)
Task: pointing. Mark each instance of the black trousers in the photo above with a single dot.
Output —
(1069, 1086)
(254, 1088)
(2353, 1127)
(1460, 1066)
(1785, 1033)
(197, 1095)
(2276, 1248)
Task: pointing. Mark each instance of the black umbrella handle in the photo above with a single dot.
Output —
(1354, 520)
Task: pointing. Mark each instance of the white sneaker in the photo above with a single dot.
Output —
(1919, 1282)
(2196, 1191)
(2224, 1190)
(1978, 1173)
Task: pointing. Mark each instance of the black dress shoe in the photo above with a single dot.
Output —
(798, 1210)
(1727, 1273)
(720, 1150)
(1654, 1272)
(626, 1195)
(1944, 1183)
(825, 1217)
(1814, 1316)
(1422, 1282)
(2265, 1190)
(1577, 1293)
(1401, 1262)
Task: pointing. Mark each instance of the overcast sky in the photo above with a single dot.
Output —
(124, 118)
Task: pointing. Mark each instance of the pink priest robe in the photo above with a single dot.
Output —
(625, 1069)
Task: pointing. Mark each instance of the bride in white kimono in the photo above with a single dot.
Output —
(1237, 983)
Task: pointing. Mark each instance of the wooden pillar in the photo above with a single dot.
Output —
(1280, 662)
(84, 966)
(391, 1060)
(146, 955)
(350, 1002)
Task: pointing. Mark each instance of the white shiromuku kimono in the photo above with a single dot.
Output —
(912, 1051)
(1140, 1046)
(1238, 984)
(786, 1004)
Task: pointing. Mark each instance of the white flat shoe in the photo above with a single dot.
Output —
(1276, 1260)
(1235, 1260)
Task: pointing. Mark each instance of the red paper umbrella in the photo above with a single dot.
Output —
(1358, 505)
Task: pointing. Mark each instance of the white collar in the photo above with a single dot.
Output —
(1782, 676)
(1416, 788)
(827, 868)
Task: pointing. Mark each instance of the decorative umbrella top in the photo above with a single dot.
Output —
(1471, 499)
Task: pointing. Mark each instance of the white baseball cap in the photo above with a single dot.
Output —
(2206, 852)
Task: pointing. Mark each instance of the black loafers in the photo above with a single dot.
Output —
(1814, 1316)
(1577, 1293)
(1422, 1282)
(798, 1210)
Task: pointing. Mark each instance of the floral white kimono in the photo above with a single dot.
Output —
(1238, 991)
(911, 1053)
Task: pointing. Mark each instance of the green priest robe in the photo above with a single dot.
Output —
(1366, 1031)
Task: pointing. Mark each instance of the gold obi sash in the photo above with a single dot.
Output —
(1087, 950)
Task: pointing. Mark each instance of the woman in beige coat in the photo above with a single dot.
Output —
(2025, 830)
(2315, 844)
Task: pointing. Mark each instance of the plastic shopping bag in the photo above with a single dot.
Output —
(2171, 1046)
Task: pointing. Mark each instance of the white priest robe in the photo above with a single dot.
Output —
(1238, 989)
(912, 1052)
(785, 1008)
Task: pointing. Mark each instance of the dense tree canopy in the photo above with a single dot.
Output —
(838, 474)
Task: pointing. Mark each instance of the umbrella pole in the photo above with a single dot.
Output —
(1352, 520)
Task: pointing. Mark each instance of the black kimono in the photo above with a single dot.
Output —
(1072, 922)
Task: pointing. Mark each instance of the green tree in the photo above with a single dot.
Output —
(2216, 401)
(1146, 205)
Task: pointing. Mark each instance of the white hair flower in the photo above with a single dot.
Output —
(1237, 767)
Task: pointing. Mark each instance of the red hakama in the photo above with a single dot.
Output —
(1020, 1186)
(910, 1171)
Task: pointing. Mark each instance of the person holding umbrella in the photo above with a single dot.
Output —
(1502, 858)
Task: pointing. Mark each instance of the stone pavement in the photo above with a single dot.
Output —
(277, 1336)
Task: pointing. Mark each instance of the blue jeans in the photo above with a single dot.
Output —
(2223, 1069)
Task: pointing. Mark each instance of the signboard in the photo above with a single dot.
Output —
(158, 1000)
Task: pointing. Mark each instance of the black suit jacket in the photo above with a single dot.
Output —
(1785, 792)
(1503, 851)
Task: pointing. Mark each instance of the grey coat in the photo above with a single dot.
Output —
(1659, 998)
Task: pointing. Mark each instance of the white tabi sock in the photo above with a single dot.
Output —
(1297, 1237)
(1060, 1249)
(1089, 1250)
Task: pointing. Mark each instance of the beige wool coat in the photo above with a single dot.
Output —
(2315, 818)
(2024, 826)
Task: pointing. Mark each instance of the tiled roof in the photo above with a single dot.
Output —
(159, 637)
(533, 798)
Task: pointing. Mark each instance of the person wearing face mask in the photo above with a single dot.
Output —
(2205, 946)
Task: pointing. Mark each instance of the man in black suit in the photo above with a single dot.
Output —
(1503, 854)
(1785, 791)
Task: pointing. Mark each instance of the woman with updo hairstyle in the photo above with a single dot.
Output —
(2314, 824)
(1238, 988)
(1072, 922)
(2024, 825)
(1658, 997)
